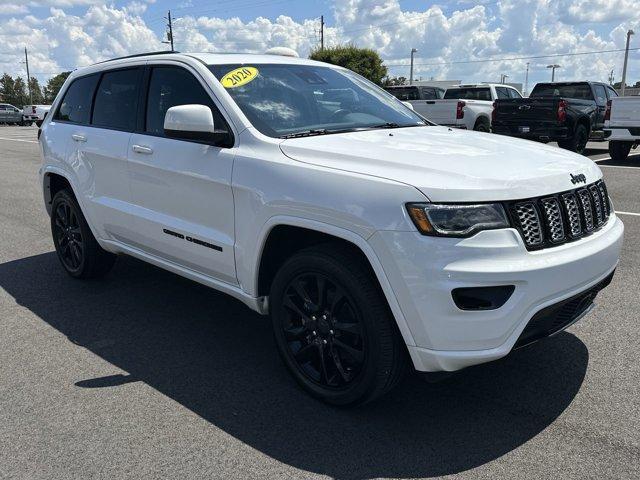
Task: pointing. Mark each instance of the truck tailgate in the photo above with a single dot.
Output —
(442, 112)
(625, 112)
(524, 111)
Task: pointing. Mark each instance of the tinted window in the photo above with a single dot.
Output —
(430, 94)
(405, 93)
(612, 92)
(76, 104)
(513, 93)
(580, 91)
(601, 95)
(502, 92)
(116, 100)
(483, 93)
(171, 86)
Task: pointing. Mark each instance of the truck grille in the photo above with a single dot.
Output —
(555, 219)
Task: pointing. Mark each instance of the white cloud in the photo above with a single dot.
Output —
(474, 31)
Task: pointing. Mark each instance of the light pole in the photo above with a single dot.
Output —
(503, 77)
(413, 50)
(553, 71)
(526, 81)
(624, 67)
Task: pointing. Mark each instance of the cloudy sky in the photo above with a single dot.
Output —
(66, 34)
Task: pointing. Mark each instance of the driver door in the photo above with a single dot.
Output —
(181, 190)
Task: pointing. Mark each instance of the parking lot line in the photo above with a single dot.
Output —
(619, 166)
(18, 140)
(627, 213)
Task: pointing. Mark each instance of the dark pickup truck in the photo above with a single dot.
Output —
(570, 113)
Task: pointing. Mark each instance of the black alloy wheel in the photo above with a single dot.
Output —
(68, 236)
(323, 330)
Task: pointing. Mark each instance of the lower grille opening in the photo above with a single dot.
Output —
(482, 298)
(560, 315)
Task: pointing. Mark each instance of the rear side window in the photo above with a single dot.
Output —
(612, 93)
(502, 92)
(172, 86)
(116, 100)
(483, 93)
(76, 103)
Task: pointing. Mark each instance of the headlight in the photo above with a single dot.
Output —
(457, 220)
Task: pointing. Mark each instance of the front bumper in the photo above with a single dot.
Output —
(424, 270)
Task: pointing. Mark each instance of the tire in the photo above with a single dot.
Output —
(482, 125)
(619, 151)
(354, 353)
(38, 123)
(578, 142)
(78, 251)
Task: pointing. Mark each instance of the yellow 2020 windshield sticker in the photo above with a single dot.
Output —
(239, 76)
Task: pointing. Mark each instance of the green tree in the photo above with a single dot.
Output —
(364, 61)
(7, 88)
(53, 86)
(21, 97)
(394, 81)
(36, 91)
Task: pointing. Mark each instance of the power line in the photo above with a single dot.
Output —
(509, 59)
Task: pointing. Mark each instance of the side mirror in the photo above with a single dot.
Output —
(190, 122)
(407, 104)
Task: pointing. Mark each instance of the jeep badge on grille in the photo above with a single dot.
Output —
(578, 178)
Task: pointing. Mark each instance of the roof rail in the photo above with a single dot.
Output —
(163, 52)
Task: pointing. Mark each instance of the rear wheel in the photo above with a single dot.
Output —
(77, 249)
(619, 151)
(482, 125)
(577, 143)
(333, 327)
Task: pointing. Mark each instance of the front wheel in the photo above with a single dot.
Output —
(577, 143)
(619, 151)
(333, 327)
(77, 249)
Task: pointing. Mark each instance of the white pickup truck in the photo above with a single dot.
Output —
(35, 113)
(466, 106)
(622, 126)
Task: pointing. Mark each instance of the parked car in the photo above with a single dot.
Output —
(35, 113)
(622, 126)
(414, 94)
(570, 113)
(467, 106)
(10, 114)
(375, 240)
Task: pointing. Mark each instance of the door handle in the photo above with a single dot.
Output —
(79, 138)
(142, 149)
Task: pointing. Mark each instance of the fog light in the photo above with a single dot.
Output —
(482, 298)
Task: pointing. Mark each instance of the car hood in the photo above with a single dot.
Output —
(447, 164)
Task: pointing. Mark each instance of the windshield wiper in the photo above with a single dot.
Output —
(386, 125)
(306, 133)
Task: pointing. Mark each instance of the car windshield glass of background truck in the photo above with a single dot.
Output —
(580, 91)
(283, 100)
(468, 93)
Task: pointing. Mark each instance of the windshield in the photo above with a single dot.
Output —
(483, 93)
(284, 100)
(580, 91)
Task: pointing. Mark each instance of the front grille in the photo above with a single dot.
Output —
(565, 217)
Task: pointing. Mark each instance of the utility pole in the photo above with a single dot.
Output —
(526, 80)
(169, 31)
(321, 32)
(611, 77)
(553, 71)
(624, 68)
(413, 51)
(503, 77)
(26, 61)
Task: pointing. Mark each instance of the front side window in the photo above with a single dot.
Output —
(283, 100)
(601, 94)
(116, 100)
(170, 87)
(612, 93)
(76, 103)
(472, 93)
(513, 93)
(405, 93)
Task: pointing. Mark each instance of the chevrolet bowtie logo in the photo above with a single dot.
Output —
(578, 178)
(524, 107)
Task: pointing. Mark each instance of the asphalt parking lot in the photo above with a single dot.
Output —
(145, 374)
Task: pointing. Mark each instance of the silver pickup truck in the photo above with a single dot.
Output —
(10, 114)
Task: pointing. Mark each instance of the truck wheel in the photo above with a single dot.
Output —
(577, 143)
(619, 151)
(333, 327)
(77, 249)
(482, 125)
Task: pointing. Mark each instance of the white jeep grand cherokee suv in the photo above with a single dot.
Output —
(373, 239)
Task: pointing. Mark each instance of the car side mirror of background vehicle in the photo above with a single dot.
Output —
(407, 104)
(193, 122)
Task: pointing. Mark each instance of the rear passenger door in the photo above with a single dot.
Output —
(182, 189)
(98, 149)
